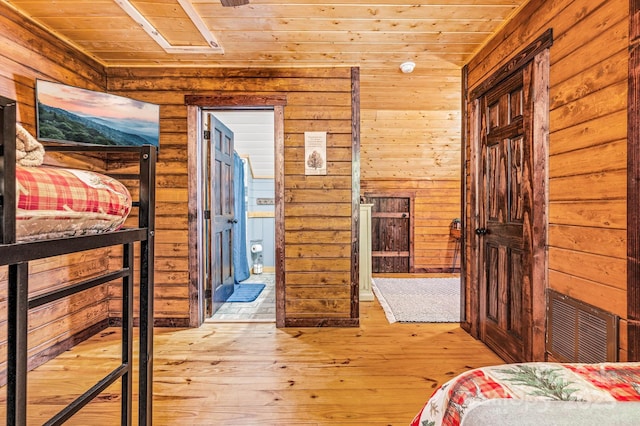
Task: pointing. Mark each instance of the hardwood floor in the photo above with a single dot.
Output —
(256, 374)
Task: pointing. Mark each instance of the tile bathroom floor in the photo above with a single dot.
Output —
(263, 309)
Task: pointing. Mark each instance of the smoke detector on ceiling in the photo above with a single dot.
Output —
(407, 67)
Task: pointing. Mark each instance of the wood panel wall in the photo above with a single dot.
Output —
(29, 53)
(411, 143)
(317, 209)
(420, 123)
(587, 142)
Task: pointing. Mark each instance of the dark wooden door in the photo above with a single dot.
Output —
(505, 254)
(391, 233)
(222, 213)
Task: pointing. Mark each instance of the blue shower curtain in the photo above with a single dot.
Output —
(240, 262)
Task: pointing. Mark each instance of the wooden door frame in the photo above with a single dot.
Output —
(633, 186)
(538, 52)
(195, 104)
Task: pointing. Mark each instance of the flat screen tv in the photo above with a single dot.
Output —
(71, 114)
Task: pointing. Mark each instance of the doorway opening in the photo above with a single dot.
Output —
(237, 227)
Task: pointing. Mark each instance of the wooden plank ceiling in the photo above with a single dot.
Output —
(372, 34)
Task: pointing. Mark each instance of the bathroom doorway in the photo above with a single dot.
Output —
(253, 297)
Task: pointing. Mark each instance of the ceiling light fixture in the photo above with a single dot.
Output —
(407, 67)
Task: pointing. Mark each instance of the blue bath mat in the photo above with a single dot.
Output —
(245, 292)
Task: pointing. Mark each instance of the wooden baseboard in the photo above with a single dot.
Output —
(436, 270)
(53, 351)
(157, 322)
(321, 322)
(416, 275)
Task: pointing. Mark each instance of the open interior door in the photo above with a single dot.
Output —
(220, 218)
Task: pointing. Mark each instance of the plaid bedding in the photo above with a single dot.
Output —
(56, 202)
(536, 381)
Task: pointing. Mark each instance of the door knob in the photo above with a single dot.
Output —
(481, 231)
(232, 221)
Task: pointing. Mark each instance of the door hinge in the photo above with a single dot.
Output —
(207, 214)
(207, 293)
(207, 134)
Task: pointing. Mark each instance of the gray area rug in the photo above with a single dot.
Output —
(419, 299)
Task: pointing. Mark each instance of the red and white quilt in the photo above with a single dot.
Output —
(56, 202)
(601, 383)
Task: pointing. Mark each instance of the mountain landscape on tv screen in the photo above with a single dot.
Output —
(59, 124)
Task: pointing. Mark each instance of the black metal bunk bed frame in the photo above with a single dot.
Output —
(17, 255)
